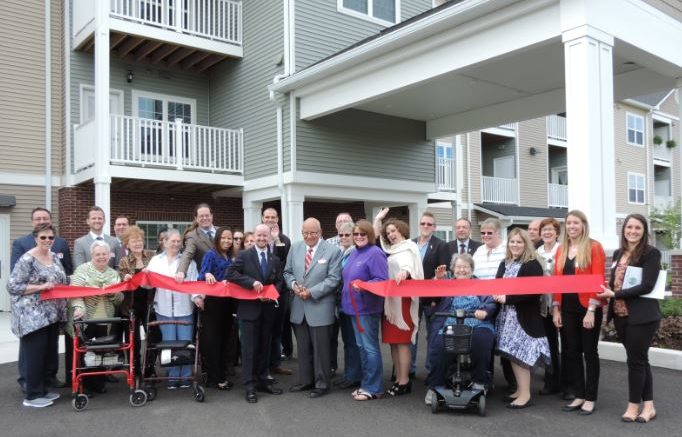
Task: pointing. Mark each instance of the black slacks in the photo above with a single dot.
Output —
(582, 344)
(255, 349)
(313, 344)
(552, 373)
(215, 334)
(40, 350)
(637, 339)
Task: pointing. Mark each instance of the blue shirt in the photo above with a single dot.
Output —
(214, 264)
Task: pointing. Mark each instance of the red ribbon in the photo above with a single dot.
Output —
(151, 279)
(479, 287)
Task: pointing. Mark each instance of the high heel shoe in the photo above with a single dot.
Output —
(400, 389)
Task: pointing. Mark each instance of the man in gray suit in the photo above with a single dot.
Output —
(81, 247)
(313, 273)
(199, 241)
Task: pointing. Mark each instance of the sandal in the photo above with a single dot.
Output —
(400, 389)
(225, 385)
(363, 395)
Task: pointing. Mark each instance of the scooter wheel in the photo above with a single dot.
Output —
(80, 402)
(151, 393)
(199, 394)
(481, 405)
(434, 403)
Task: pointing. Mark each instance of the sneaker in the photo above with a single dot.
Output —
(185, 385)
(172, 386)
(52, 396)
(478, 386)
(427, 399)
(37, 402)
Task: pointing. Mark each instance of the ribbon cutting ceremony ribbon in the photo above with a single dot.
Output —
(150, 279)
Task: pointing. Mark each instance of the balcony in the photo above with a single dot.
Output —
(662, 153)
(196, 35)
(557, 195)
(499, 190)
(151, 144)
(556, 127)
(662, 202)
(445, 174)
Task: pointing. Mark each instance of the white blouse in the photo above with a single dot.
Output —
(171, 303)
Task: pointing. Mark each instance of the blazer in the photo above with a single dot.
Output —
(196, 245)
(527, 305)
(596, 267)
(81, 250)
(282, 252)
(453, 248)
(640, 309)
(322, 279)
(437, 254)
(244, 271)
(60, 248)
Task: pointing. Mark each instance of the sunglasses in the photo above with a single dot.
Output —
(238, 238)
(425, 224)
(487, 233)
(345, 235)
(359, 234)
(46, 237)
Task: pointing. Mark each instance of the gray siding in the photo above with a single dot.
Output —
(362, 143)
(239, 95)
(321, 30)
(630, 158)
(533, 168)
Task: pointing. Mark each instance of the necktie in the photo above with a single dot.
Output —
(462, 248)
(263, 264)
(210, 235)
(308, 258)
(99, 238)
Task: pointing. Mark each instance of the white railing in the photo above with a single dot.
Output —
(499, 190)
(219, 20)
(152, 143)
(556, 127)
(511, 126)
(666, 259)
(661, 152)
(662, 202)
(84, 150)
(557, 195)
(445, 174)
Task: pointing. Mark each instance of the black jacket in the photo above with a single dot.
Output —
(436, 255)
(527, 305)
(453, 247)
(640, 309)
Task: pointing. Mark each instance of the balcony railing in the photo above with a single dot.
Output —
(662, 202)
(662, 153)
(161, 144)
(499, 190)
(445, 174)
(510, 126)
(557, 195)
(556, 127)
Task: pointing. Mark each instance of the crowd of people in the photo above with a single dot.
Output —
(319, 297)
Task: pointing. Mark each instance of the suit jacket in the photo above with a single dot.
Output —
(81, 250)
(640, 309)
(527, 305)
(322, 280)
(282, 251)
(244, 271)
(453, 248)
(27, 242)
(437, 254)
(196, 244)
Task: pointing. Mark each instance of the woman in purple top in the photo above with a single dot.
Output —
(366, 263)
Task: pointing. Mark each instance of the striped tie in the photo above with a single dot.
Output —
(308, 258)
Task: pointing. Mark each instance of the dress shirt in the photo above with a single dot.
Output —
(167, 302)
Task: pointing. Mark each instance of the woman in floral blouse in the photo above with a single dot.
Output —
(35, 321)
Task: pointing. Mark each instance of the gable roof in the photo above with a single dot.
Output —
(529, 212)
(652, 99)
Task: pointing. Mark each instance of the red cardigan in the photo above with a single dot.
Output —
(597, 267)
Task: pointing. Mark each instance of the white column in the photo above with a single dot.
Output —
(679, 142)
(459, 175)
(102, 178)
(252, 214)
(415, 213)
(589, 106)
(293, 222)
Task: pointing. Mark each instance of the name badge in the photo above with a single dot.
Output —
(322, 261)
(60, 255)
(614, 264)
(112, 255)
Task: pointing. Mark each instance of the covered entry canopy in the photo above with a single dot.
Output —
(472, 64)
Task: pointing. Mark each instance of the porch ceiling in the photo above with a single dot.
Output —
(138, 49)
(147, 186)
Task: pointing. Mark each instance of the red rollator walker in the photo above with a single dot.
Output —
(104, 347)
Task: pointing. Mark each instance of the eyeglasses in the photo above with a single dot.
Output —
(345, 235)
(487, 233)
(238, 238)
(359, 234)
(307, 234)
(425, 224)
(46, 237)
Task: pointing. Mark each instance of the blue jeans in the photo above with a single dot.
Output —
(352, 370)
(176, 332)
(424, 314)
(370, 353)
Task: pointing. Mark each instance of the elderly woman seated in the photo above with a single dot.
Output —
(95, 273)
(483, 337)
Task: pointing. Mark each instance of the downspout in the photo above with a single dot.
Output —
(469, 202)
(48, 108)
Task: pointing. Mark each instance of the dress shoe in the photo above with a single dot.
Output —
(643, 419)
(587, 412)
(512, 406)
(318, 392)
(569, 408)
(281, 371)
(346, 384)
(301, 387)
(251, 397)
(269, 389)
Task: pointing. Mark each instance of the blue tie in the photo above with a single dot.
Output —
(263, 264)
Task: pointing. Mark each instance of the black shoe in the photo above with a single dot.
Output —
(251, 397)
(544, 391)
(347, 384)
(400, 389)
(519, 407)
(301, 387)
(587, 412)
(333, 372)
(269, 389)
(508, 399)
(568, 408)
(225, 385)
(318, 392)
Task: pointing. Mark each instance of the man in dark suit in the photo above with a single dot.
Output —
(434, 253)
(61, 249)
(463, 242)
(199, 241)
(282, 344)
(253, 269)
(313, 273)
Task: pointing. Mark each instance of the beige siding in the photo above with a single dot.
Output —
(28, 197)
(444, 216)
(532, 169)
(22, 85)
(474, 145)
(670, 7)
(629, 158)
(669, 105)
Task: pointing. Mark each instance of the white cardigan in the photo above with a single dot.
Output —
(171, 303)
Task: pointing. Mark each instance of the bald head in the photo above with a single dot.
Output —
(262, 236)
(311, 231)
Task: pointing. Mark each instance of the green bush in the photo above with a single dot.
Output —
(671, 307)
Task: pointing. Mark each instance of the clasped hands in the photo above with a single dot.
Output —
(301, 291)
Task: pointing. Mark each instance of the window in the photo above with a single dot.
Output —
(151, 231)
(444, 233)
(386, 12)
(636, 188)
(635, 129)
(443, 150)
